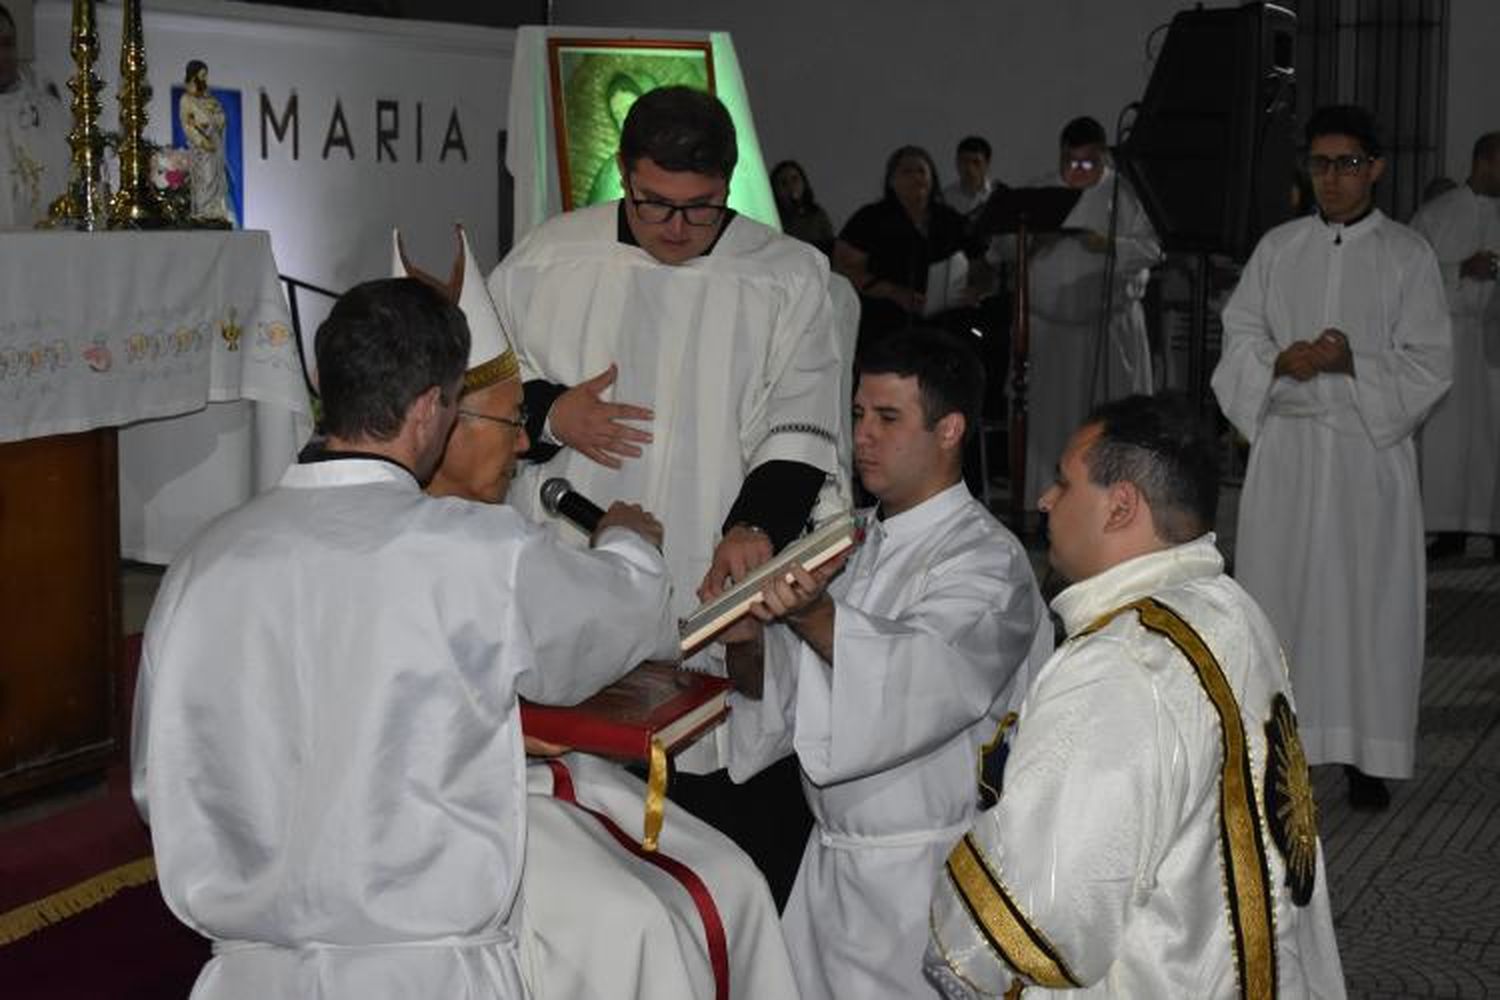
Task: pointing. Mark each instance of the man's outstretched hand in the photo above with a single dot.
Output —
(596, 428)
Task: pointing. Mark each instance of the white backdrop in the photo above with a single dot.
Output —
(329, 213)
(330, 217)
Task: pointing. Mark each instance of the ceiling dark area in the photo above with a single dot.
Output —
(504, 14)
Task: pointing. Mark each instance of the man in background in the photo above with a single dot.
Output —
(1336, 347)
(1088, 329)
(1461, 439)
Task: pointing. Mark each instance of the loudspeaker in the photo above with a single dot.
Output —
(1212, 152)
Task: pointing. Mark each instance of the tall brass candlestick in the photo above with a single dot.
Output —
(136, 204)
(82, 206)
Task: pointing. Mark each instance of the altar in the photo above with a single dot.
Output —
(148, 382)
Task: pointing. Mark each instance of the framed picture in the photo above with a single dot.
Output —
(594, 83)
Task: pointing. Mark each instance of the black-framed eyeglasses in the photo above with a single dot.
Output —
(1345, 166)
(1082, 164)
(517, 424)
(657, 212)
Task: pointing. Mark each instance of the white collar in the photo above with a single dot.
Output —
(346, 472)
(915, 521)
(1082, 603)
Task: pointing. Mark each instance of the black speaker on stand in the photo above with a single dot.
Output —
(1212, 152)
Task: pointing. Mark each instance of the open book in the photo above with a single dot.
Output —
(827, 540)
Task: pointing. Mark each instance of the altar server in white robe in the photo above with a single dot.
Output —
(1154, 833)
(721, 326)
(601, 916)
(1070, 369)
(887, 683)
(327, 743)
(1461, 439)
(1336, 346)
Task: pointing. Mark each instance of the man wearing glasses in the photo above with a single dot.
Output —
(1086, 347)
(1336, 346)
(722, 326)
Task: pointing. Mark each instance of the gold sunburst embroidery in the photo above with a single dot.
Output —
(1291, 812)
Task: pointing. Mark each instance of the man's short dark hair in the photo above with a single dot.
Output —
(384, 344)
(680, 129)
(1082, 131)
(973, 144)
(194, 67)
(1166, 449)
(948, 370)
(1345, 119)
(1486, 146)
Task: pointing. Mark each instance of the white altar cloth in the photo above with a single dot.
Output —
(123, 329)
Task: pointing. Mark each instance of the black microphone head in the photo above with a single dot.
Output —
(553, 491)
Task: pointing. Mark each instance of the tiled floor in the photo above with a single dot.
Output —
(1416, 889)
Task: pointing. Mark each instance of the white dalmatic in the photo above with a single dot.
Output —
(1461, 439)
(1130, 854)
(938, 619)
(327, 741)
(1330, 522)
(1070, 370)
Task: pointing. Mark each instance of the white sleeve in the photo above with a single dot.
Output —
(1242, 379)
(589, 614)
(1095, 772)
(1395, 388)
(902, 687)
(797, 416)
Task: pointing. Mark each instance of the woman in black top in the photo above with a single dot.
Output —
(887, 246)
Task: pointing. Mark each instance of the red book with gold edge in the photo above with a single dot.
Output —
(651, 712)
(656, 700)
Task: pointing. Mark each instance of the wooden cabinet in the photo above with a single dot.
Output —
(60, 642)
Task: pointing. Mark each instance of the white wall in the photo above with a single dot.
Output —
(838, 84)
(1473, 78)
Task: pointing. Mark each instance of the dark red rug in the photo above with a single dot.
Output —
(80, 912)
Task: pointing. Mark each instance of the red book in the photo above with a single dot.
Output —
(654, 700)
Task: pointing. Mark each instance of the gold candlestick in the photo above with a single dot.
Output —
(82, 205)
(136, 204)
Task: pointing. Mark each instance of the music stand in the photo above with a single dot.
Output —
(1023, 211)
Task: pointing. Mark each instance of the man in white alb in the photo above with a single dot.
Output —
(1080, 356)
(1460, 452)
(327, 742)
(725, 328)
(1154, 833)
(1336, 347)
(886, 679)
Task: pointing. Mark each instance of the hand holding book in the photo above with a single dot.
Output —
(826, 542)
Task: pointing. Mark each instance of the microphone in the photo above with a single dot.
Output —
(560, 500)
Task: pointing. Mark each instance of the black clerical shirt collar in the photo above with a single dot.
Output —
(317, 450)
(625, 236)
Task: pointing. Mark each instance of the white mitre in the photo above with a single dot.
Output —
(491, 359)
